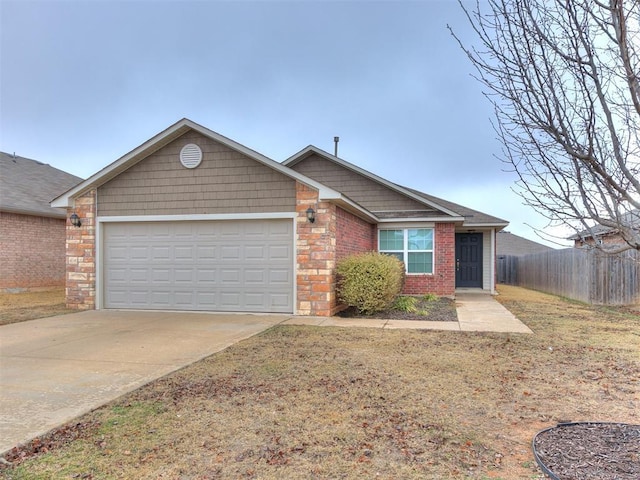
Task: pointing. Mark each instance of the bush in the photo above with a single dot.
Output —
(369, 281)
(406, 304)
(430, 297)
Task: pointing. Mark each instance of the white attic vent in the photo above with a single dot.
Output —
(190, 155)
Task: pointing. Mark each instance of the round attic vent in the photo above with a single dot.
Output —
(190, 155)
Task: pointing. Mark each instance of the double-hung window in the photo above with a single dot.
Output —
(413, 246)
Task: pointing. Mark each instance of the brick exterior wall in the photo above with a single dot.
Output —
(334, 234)
(443, 280)
(611, 239)
(315, 255)
(81, 255)
(32, 253)
(353, 235)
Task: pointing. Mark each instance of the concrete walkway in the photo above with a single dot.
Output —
(477, 312)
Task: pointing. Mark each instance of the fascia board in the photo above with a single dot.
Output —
(456, 219)
(311, 149)
(356, 209)
(168, 135)
(60, 214)
(486, 225)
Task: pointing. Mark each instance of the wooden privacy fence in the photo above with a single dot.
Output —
(581, 274)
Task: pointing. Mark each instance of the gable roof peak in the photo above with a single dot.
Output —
(309, 150)
(165, 137)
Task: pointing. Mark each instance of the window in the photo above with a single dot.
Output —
(413, 246)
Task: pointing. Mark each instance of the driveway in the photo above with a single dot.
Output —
(55, 369)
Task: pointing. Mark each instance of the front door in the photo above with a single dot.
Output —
(469, 260)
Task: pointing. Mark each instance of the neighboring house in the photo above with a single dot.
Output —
(601, 235)
(509, 248)
(509, 244)
(32, 233)
(191, 220)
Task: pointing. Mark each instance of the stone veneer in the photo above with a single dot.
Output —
(81, 254)
(315, 255)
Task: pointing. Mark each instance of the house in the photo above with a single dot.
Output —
(191, 220)
(509, 244)
(32, 233)
(602, 235)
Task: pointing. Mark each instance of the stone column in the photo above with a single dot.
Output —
(81, 254)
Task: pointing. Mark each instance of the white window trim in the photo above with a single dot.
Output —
(405, 251)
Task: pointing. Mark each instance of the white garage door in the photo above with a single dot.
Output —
(233, 266)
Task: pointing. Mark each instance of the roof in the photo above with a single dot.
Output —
(28, 186)
(509, 244)
(177, 130)
(447, 210)
(631, 218)
(472, 218)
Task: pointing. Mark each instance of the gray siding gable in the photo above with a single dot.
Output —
(226, 181)
(372, 195)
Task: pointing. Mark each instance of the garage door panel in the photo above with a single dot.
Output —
(253, 275)
(229, 300)
(206, 276)
(280, 252)
(207, 265)
(204, 253)
(253, 252)
(279, 302)
(230, 253)
(160, 253)
(281, 276)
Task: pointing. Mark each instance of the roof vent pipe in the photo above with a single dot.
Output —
(335, 150)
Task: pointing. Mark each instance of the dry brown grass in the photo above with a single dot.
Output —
(306, 402)
(19, 307)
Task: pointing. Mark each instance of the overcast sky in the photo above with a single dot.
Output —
(84, 82)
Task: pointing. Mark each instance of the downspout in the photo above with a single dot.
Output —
(493, 261)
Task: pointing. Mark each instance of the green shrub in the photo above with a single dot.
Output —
(369, 281)
(406, 304)
(430, 297)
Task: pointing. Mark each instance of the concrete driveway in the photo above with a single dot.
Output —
(55, 369)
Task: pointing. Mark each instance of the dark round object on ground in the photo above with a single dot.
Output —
(589, 451)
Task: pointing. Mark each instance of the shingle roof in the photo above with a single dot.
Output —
(472, 217)
(631, 217)
(445, 208)
(27, 186)
(509, 244)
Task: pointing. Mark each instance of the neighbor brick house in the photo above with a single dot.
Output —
(191, 220)
(32, 233)
(607, 236)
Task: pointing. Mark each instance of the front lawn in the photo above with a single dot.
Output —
(327, 403)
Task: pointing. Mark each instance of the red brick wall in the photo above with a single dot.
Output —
(443, 279)
(353, 235)
(31, 251)
(81, 255)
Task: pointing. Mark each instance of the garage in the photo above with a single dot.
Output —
(219, 265)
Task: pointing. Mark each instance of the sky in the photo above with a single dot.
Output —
(82, 83)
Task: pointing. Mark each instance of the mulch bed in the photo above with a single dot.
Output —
(590, 451)
(441, 310)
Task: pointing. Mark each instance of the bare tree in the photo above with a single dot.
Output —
(564, 79)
